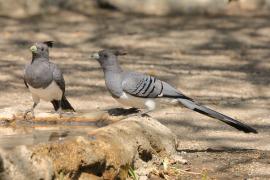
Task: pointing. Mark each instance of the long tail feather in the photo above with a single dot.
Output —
(55, 104)
(65, 105)
(211, 113)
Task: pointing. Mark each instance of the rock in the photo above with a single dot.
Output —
(86, 176)
(106, 152)
(178, 159)
(143, 178)
(18, 164)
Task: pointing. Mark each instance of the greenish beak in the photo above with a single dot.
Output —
(95, 56)
(33, 48)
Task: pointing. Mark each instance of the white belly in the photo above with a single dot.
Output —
(52, 92)
(132, 101)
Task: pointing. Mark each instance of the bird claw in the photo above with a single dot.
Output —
(28, 111)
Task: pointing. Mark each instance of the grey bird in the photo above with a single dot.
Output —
(45, 80)
(143, 91)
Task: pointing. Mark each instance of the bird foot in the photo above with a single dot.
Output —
(60, 113)
(29, 111)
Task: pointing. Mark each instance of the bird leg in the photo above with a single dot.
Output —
(30, 110)
(59, 111)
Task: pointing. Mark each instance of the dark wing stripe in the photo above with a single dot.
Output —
(145, 82)
(138, 86)
(151, 91)
(160, 89)
(141, 89)
(149, 84)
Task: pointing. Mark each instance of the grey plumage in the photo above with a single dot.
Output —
(142, 85)
(140, 90)
(44, 79)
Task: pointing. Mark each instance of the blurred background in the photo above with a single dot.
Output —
(168, 38)
(26, 8)
(214, 51)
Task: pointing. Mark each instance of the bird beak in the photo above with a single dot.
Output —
(33, 48)
(95, 56)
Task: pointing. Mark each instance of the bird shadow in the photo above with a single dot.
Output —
(123, 111)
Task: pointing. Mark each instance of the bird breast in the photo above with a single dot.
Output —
(51, 92)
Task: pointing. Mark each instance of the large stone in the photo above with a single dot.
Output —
(106, 152)
(18, 164)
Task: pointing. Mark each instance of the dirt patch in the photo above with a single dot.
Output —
(228, 164)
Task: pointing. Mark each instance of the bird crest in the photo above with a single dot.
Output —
(120, 52)
(49, 43)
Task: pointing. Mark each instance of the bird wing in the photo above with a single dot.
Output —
(25, 82)
(58, 76)
(146, 86)
(24, 79)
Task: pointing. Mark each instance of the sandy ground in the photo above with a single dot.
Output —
(222, 62)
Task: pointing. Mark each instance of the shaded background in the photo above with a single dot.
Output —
(214, 51)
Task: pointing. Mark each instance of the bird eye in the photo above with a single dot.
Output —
(42, 49)
(105, 55)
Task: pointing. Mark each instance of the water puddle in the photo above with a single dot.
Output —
(46, 128)
(29, 133)
(37, 136)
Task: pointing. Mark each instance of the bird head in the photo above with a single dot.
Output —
(41, 49)
(108, 57)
